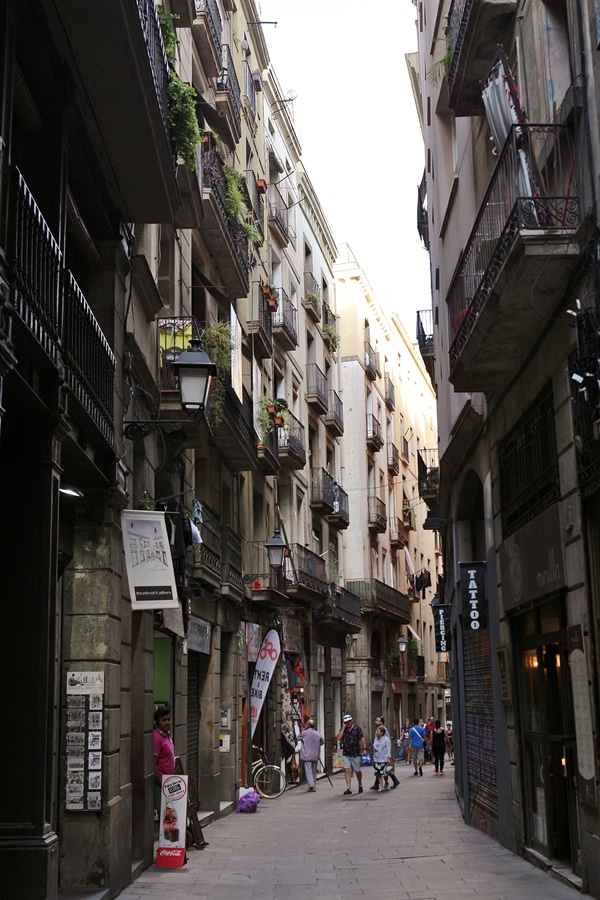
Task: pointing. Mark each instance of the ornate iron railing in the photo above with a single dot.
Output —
(287, 315)
(322, 487)
(458, 19)
(534, 186)
(278, 210)
(335, 409)
(228, 81)
(210, 10)
(214, 178)
(156, 55)
(316, 382)
(291, 437)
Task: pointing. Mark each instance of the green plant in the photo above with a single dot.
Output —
(216, 338)
(441, 68)
(169, 35)
(331, 334)
(183, 122)
(265, 417)
(252, 232)
(314, 298)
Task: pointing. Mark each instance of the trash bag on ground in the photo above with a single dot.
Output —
(248, 802)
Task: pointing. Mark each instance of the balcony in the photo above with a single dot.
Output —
(425, 340)
(334, 417)
(191, 211)
(285, 323)
(398, 532)
(229, 98)
(207, 556)
(322, 493)
(393, 459)
(256, 200)
(371, 362)
(268, 458)
(306, 576)
(389, 395)
(377, 515)
(475, 28)
(312, 297)
(225, 237)
(260, 327)
(234, 436)
(374, 433)
(262, 585)
(519, 258)
(120, 43)
(316, 389)
(340, 613)
(429, 478)
(231, 564)
(206, 31)
(291, 445)
(340, 517)
(329, 326)
(53, 312)
(377, 597)
(278, 215)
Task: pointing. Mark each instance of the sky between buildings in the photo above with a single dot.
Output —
(357, 124)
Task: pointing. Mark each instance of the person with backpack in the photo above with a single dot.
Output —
(417, 745)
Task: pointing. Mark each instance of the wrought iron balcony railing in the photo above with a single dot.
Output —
(390, 393)
(278, 211)
(374, 432)
(290, 438)
(340, 515)
(316, 387)
(210, 10)
(322, 489)
(228, 82)
(334, 418)
(312, 296)
(393, 459)
(371, 361)
(376, 595)
(214, 179)
(534, 187)
(377, 514)
(285, 322)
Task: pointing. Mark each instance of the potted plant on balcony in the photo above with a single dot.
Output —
(331, 336)
(216, 338)
(282, 413)
(182, 118)
(314, 298)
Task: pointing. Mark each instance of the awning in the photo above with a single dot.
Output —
(409, 562)
(413, 632)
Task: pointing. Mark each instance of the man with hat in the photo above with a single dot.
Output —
(353, 746)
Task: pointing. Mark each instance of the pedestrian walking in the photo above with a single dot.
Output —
(311, 742)
(417, 746)
(382, 756)
(438, 747)
(450, 742)
(353, 745)
(405, 738)
(379, 720)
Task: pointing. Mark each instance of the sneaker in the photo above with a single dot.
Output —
(441, 773)
(420, 771)
(416, 773)
(395, 784)
(385, 787)
(348, 791)
(374, 787)
(380, 790)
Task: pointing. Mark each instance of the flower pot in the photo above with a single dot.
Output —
(261, 184)
(279, 421)
(271, 409)
(272, 304)
(266, 289)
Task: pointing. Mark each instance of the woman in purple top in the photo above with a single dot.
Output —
(311, 742)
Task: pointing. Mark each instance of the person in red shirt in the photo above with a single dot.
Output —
(164, 751)
(429, 729)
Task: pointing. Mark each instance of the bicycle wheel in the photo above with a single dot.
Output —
(269, 781)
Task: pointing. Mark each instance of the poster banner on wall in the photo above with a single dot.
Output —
(148, 560)
(173, 821)
(475, 604)
(265, 666)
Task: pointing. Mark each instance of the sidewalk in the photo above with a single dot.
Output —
(405, 844)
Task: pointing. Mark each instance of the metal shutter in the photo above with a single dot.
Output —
(480, 733)
(193, 723)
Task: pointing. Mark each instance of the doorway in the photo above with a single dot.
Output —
(548, 745)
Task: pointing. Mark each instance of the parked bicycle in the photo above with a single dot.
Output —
(269, 779)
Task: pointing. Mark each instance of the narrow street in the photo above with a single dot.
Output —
(406, 844)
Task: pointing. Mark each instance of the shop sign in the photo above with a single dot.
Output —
(441, 621)
(336, 662)
(532, 561)
(148, 560)
(199, 633)
(292, 635)
(475, 605)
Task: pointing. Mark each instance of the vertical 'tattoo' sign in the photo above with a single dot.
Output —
(475, 606)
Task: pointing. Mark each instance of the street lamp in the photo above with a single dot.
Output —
(277, 550)
(194, 369)
(402, 643)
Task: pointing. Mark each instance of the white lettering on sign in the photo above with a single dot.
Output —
(474, 601)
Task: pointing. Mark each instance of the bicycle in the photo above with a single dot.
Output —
(269, 780)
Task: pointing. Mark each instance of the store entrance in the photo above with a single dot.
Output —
(549, 758)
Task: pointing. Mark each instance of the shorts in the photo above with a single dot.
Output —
(418, 752)
(352, 762)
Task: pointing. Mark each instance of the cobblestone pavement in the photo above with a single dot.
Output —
(405, 844)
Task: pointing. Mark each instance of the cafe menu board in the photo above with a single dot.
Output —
(83, 751)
